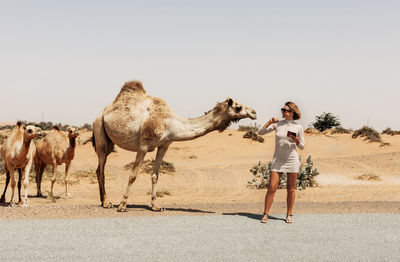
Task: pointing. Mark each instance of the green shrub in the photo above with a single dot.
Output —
(325, 121)
(369, 133)
(305, 178)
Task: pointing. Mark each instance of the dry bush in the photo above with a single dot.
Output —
(253, 136)
(369, 177)
(391, 132)
(368, 133)
(2, 166)
(147, 166)
(341, 130)
(253, 128)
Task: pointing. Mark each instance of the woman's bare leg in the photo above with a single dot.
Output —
(291, 189)
(272, 187)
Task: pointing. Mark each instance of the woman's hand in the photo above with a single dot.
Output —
(271, 121)
(294, 139)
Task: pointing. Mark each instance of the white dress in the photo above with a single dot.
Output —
(286, 158)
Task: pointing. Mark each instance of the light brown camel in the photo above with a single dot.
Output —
(54, 149)
(139, 122)
(18, 152)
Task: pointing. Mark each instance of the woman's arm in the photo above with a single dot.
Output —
(269, 126)
(302, 142)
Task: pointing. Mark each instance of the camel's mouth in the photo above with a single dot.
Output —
(252, 115)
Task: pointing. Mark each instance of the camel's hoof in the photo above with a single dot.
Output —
(2, 200)
(39, 195)
(12, 204)
(68, 195)
(157, 209)
(122, 208)
(20, 204)
(25, 205)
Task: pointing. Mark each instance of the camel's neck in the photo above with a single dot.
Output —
(71, 148)
(188, 129)
(25, 147)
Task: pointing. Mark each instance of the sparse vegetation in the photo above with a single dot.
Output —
(341, 130)
(163, 192)
(147, 166)
(2, 166)
(391, 132)
(369, 177)
(325, 121)
(305, 178)
(87, 126)
(253, 136)
(369, 133)
(253, 128)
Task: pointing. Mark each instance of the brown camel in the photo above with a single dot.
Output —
(139, 122)
(18, 152)
(54, 149)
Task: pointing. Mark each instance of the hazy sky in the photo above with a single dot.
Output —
(63, 61)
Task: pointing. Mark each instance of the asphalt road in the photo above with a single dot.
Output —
(239, 237)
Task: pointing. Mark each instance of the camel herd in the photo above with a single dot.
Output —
(134, 121)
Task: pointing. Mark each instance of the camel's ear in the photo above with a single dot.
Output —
(230, 102)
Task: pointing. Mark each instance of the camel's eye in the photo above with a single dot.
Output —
(238, 109)
(30, 131)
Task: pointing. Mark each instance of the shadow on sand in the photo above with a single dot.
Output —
(166, 209)
(252, 216)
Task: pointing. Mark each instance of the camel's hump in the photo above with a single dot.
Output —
(135, 86)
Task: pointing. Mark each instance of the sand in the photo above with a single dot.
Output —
(212, 174)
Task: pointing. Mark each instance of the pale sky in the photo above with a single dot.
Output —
(63, 61)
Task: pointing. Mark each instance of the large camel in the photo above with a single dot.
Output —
(139, 122)
(54, 149)
(18, 152)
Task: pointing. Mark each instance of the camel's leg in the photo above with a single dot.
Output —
(139, 157)
(101, 181)
(103, 147)
(39, 168)
(66, 179)
(26, 171)
(39, 176)
(20, 202)
(53, 177)
(154, 177)
(3, 196)
(12, 178)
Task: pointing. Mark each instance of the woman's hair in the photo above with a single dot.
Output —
(295, 109)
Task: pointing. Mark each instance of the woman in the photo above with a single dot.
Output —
(288, 136)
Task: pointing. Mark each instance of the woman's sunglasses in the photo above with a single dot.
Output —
(286, 110)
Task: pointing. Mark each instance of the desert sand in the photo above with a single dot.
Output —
(212, 174)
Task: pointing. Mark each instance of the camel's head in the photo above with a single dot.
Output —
(72, 132)
(233, 111)
(31, 132)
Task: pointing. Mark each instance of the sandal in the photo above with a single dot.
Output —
(264, 219)
(289, 219)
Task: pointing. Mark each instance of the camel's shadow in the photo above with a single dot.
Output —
(166, 209)
(252, 216)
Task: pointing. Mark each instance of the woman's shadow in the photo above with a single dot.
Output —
(252, 216)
